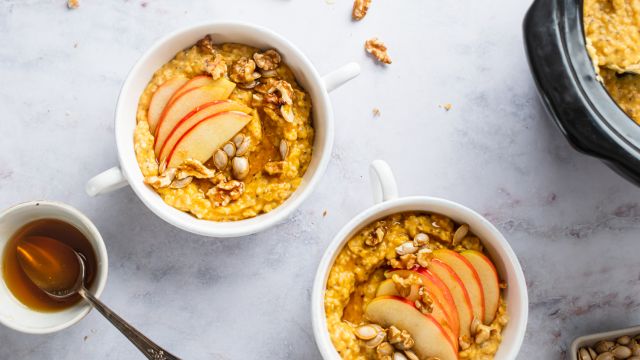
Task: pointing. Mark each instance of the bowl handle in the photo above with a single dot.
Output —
(338, 77)
(383, 182)
(106, 181)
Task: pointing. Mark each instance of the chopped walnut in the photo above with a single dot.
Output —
(464, 342)
(161, 181)
(423, 257)
(401, 339)
(206, 45)
(483, 333)
(278, 92)
(268, 60)
(360, 8)
(404, 283)
(225, 192)
(217, 68)
(375, 237)
(421, 239)
(73, 4)
(243, 71)
(405, 262)
(181, 183)
(384, 350)
(424, 303)
(196, 169)
(377, 48)
(274, 167)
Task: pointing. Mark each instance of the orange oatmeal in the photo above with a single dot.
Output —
(224, 131)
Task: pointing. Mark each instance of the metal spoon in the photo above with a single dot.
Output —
(34, 259)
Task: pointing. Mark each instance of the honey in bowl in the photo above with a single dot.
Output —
(36, 244)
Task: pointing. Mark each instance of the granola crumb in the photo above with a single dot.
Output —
(324, 213)
(378, 49)
(446, 106)
(376, 112)
(360, 8)
(73, 4)
(75, 45)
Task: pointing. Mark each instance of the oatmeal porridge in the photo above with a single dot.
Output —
(224, 131)
(417, 285)
(612, 32)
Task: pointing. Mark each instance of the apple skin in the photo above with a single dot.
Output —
(489, 280)
(193, 83)
(430, 338)
(458, 292)
(203, 138)
(166, 140)
(388, 288)
(161, 98)
(186, 101)
(440, 293)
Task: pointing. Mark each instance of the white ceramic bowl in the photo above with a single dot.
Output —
(12, 312)
(591, 340)
(164, 50)
(386, 197)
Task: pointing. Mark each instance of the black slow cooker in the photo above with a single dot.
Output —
(581, 107)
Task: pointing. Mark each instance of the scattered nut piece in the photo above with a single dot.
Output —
(206, 45)
(229, 148)
(243, 71)
(360, 8)
(377, 48)
(220, 159)
(375, 237)
(411, 355)
(483, 333)
(161, 181)
(238, 139)
(268, 60)
(474, 326)
(284, 89)
(385, 349)
(287, 113)
(243, 148)
(225, 192)
(274, 167)
(401, 339)
(194, 168)
(423, 257)
(447, 106)
(380, 337)
(604, 346)
(464, 342)
(421, 239)
(624, 340)
(73, 4)
(621, 352)
(399, 356)
(217, 68)
(375, 112)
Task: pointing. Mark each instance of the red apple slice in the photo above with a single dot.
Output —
(439, 292)
(202, 139)
(430, 338)
(186, 101)
(388, 288)
(161, 98)
(469, 277)
(458, 292)
(489, 280)
(169, 136)
(193, 83)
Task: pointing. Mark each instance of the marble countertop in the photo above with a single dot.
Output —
(573, 222)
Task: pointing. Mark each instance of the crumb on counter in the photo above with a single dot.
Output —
(446, 106)
(73, 4)
(376, 112)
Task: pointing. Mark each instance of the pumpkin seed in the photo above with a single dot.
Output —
(249, 85)
(220, 159)
(460, 234)
(287, 113)
(593, 353)
(229, 148)
(380, 337)
(421, 239)
(240, 167)
(284, 149)
(624, 340)
(243, 148)
(406, 248)
(605, 356)
(238, 139)
(269, 73)
(604, 346)
(179, 184)
(399, 356)
(411, 355)
(583, 354)
(621, 352)
(366, 332)
(162, 167)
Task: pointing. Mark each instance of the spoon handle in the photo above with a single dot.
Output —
(146, 346)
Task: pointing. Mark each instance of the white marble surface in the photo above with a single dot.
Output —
(573, 222)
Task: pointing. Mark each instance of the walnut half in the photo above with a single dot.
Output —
(378, 49)
(360, 8)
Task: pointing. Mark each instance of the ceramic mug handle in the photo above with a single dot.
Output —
(338, 77)
(106, 181)
(383, 182)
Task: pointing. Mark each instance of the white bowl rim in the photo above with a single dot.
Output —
(318, 316)
(101, 252)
